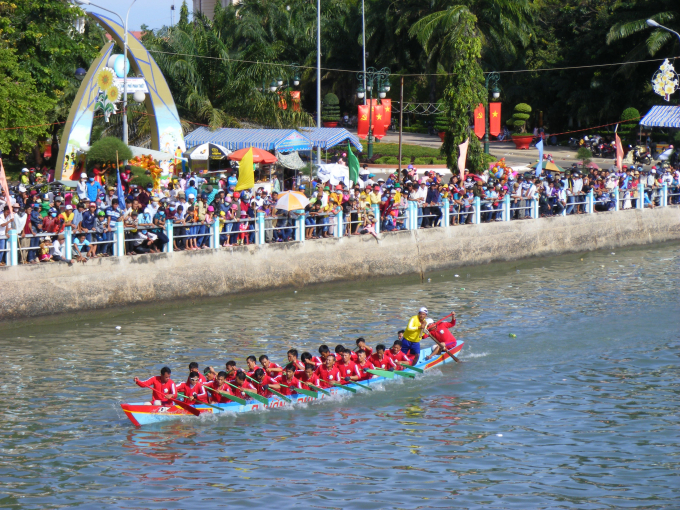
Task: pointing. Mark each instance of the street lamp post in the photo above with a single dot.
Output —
(373, 78)
(125, 52)
(491, 80)
(654, 24)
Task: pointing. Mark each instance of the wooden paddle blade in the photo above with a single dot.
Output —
(362, 386)
(280, 395)
(405, 374)
(344, 387)
(309, 393)
(228, 396)
(186, 407)
(410, 367)
(201, 403)
(381, 373)
(321, 390)
(256, 396)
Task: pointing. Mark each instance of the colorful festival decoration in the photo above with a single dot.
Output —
(499, 169)
(108, 94)
(665, 80)
(150, 165)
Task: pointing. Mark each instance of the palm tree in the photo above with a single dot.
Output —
(665, 12)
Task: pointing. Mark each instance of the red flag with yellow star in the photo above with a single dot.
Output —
(378, 121)
(494, 118)
(479, 121)
(387, 106)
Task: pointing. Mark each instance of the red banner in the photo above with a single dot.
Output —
(295, 96)
(479, 121)
(494, 118)
(387, 106)
(362, 121)
(378, 121)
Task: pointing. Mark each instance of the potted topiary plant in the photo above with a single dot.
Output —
(441, 124)
(330, 112)
(517, 123)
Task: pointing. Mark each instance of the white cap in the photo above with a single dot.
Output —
(423, 310)
(429, 321)
(69, 207)
(83, 175)
(191, 195)
(24, 169)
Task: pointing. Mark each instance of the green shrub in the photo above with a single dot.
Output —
(104, 151)
(630, 116)
(519, 118)
(440, 121)
(585, 155)
(391, 160)
(330, 112)
(139, 177)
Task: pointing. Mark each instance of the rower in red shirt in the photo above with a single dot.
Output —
(347, 368)
(231, 371)
(361, 344)
(324, 352)
(338, 352)
(328, 373)
(251, 362)
(161, 385)
(219, 384)
(193, 367)
(287, 381)
(439, 332)
(193, 389)
(380, 360)
(242, 383)
(264, 382)
(271, 369)
(397, 356)
(363, 364)
(293, 358)
(209, 374)
(309, 376)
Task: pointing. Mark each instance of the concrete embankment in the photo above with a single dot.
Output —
(29, 291)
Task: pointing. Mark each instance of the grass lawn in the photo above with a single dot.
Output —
(407, 151)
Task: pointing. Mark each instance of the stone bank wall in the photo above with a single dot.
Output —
(28, 291)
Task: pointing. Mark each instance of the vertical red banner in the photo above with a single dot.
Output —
(494, 118)
(362, 121)
(479, 121)
(295, 95)
(378, 121)
(387, 106)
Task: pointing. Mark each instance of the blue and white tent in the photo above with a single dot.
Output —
(330, 137)
(282, 140)
(662, 116)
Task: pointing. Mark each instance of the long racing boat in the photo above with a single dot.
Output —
(144, 413)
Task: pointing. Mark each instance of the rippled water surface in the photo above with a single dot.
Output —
(579, 411)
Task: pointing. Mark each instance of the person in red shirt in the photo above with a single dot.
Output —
(324, 352)
(219, 384)
(379, 360)
(162, 387)
(251, 362)
(339, 349)
(363, 364)
(397, 356)
(347, 368)
(242, 383)
(193, 389)
(361, 344)
(272, 369)
(287, 381)
(209, 374)
(328, 373)
(309, 376)
(264, 382)
(231, 371)
(193, 367)
(439, 332)
(293, 358)
(306, 359)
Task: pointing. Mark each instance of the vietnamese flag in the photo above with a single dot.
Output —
(494, 118)
(378, 121)
(362, 121)
(479, 121)
(387, 106)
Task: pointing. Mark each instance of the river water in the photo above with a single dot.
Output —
(578, 411)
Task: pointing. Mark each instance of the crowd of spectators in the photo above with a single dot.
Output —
(92, 209)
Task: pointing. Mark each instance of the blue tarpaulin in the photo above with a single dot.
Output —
(282, 140)
(662, 116)
(330, 137)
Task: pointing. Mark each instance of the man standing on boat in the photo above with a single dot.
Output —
(162, 387)
(413, 334)
(439, 332)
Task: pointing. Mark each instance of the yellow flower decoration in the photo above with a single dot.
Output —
(113, 94)
(105, 78)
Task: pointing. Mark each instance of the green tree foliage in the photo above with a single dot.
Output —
(585, 155)
(633, 21)
(21, 104)
(330, 111)
(464, 90)
(107, 150)
(630, 116)
(519, 118)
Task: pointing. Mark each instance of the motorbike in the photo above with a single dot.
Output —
(641, 155)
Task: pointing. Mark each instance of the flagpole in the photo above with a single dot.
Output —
(401, 123)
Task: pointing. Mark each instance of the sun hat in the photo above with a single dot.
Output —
(211, 208)
(83, 175)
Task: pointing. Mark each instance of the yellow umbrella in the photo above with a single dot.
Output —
(291, 201)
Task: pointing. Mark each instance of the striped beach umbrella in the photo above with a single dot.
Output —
(291, 201)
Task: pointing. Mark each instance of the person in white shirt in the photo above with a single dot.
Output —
(81, 187)
(528, 194)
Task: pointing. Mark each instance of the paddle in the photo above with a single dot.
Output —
(252, 394)
(361, 385)
(198, 402)
(301, 391)
(321, 390)
(382, 373)
(410, 367)
(339, 386)
(395, 372)
(227, 395)
(280, 395)
(443, 346)
(179, 403)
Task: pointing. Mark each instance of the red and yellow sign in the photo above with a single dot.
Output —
(494, 118)
(479, 121)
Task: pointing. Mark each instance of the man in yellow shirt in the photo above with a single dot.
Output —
(413, 334)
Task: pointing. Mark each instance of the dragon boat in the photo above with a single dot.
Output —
(143, 413)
